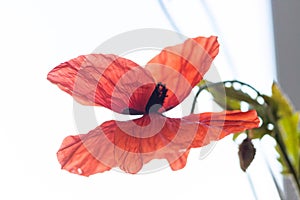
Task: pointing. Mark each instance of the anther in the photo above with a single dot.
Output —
(157, 98)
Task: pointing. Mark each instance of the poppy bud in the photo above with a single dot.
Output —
(246, 153)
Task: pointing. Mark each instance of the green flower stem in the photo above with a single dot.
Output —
(217, 84)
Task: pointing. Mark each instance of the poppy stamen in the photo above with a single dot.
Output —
(157, 98)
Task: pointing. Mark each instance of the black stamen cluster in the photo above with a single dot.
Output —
(157, 98)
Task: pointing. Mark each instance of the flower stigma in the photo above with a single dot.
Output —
(157, 98)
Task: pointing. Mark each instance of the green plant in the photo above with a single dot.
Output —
(278, 119)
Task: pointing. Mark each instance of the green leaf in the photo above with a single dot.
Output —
(287, 121)
(285, 169)
(288, 126)
(280, 102)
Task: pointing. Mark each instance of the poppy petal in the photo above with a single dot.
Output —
(215, 126)
(131, 144)
(180, 162)
(125, 144)
(183, 66)
(105, 80)
(76, 158)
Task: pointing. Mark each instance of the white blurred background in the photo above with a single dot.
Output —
(35, 115)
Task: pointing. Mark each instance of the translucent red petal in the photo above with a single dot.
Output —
(183, 66)
(105, 80)
(131, 144)
(215, 126)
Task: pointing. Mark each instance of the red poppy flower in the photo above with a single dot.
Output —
(124, 87)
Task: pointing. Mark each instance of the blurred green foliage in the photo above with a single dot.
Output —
(278, 117)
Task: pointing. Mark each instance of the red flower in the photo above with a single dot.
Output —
(124, 87)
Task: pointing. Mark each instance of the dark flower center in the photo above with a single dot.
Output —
(157, 98)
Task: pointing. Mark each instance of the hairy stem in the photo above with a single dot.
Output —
(218, 84)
